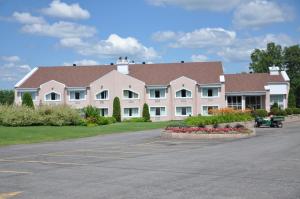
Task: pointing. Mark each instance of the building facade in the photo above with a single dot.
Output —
(173, 91)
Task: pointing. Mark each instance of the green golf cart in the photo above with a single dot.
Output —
(274, 121)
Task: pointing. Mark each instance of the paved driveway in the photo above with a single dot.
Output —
(141, 165)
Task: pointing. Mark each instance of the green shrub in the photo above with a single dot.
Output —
(135, 119)
(7, 97)
(45, 115)
(289, 111)
(27, 100)
(117, 109)
(217, 119)
(275, 105)
(146, 114)
(296, 110)
(278, 111)
(260, 113)
(102, 120)
(91, 112)
(111, 120)
(292, 99)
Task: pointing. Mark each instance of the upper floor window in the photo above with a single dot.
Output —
(52, 97)
(130, 94)
(77, 95)
(210, 92)
(102, 95)
(157, 93)
(32, 93)
(183, 93)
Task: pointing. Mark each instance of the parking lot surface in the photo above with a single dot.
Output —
(142, 165)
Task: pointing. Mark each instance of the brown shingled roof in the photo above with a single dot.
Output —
(163, 74)
(71, 76)
(249, 82)
(151, 74)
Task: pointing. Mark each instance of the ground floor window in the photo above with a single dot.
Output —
(32, 93)
(131, 112)
(279, 99)
(253, 102)
(184, 111)
(158, 111)
(207, 110)
(103, 112)
(234, 102)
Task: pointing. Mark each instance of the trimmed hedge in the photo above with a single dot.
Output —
(46, 115)
(27, 100)
(136, 119)
(146, 114)
(117, 109)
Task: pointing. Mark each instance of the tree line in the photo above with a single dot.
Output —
(287, 58)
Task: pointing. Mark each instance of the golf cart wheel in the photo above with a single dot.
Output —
(280, 125)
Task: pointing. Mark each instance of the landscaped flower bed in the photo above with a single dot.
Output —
(200, 130)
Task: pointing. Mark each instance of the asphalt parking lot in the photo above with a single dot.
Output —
(141, 165)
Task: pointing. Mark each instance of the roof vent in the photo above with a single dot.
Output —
(111, 63)
(274, 70)
(143, 62)
(182, 61)
(74, 64)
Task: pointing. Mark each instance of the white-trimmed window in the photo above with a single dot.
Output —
(53, 96)
(157, 93)
(77, 95)
(210, 92)
(183, 93)
(32, 93)
(158, 111)
(103, 112)
(234, 102)
(279, 99)
(184, 111)
(131, 112)
(103, 95)
(206, 110)
(128, 94)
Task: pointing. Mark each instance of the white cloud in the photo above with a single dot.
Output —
(27, 18)
(113, 46)
(242, 48)
(63, 10)
(60, 29)
(199, 38)
(164, 36)
(84, 62)
(25, 67)
(214, 5)
(259, 13)
(10, 58)
(199, 58)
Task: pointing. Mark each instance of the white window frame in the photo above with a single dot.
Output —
(21, 93)
(101, 92)
(234, 105)
(202, 110)
(139, 115)
(123, 97)
(202, 96)
(72, 100)
(279, 104)
(183, 107)
(149, 95)
(184, 97)
(60, 97)
(166, 114)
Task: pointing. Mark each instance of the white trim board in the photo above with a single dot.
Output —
(26, 77)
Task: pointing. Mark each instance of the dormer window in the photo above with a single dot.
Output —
(53, 96)
(103, 95)
(128, 94)
(183, 93)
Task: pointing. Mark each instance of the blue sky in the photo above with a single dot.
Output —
(62, 32)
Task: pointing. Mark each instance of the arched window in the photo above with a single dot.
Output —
(53, 96)
(103, 95)
(183, 93)
(130, 94)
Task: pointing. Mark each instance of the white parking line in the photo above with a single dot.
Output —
(17, 172)
(43, 162)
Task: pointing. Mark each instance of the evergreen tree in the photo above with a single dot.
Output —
(27, 100)
(146, 114)
(117, 109)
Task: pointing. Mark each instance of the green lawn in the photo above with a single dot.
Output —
(35, 134)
